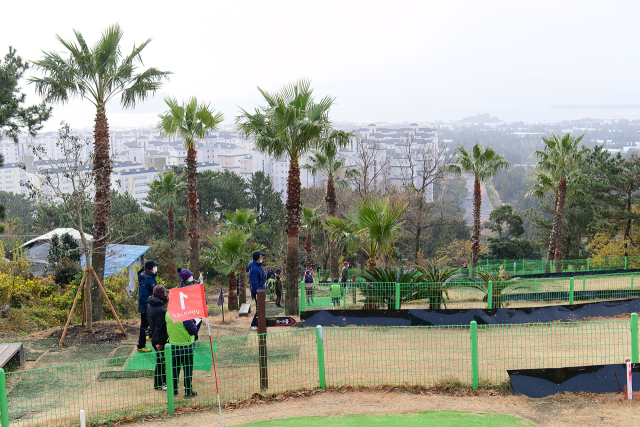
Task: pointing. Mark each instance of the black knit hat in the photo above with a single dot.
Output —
(256, 255)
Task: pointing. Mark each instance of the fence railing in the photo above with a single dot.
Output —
(117, 388)
(462, 293)
(527, 266)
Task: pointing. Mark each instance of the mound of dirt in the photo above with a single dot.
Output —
(106, 332)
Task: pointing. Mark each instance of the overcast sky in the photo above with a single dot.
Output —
(381, 60)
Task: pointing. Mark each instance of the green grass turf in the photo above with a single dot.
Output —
(418, 419)
(201, 358)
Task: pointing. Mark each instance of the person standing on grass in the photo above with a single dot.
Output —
(278, 288)
(335, 293)
(308, 285)
(344, 274)
(146, 283)
(257, 278)
(181, 337)
(156, 312)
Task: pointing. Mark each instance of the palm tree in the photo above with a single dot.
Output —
(98, 74)
(167, 189)
(560, 160)
(290, 124)
(191, 121)
(311, 222)
(483, 164)
(373, 224)
(227, 255)
(246, 221)
(328, 162)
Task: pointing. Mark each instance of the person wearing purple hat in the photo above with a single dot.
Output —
(156, 311)
(186, 278)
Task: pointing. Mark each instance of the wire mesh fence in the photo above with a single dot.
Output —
(123, 387)
(464, 293)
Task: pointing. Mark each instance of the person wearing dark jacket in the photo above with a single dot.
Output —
(156, 312)
(146, 283)
(181, 337)
(278, 291)
(257, 278)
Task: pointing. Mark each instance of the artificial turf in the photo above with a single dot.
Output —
(417, 419)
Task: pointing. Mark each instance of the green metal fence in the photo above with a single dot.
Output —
(462, 293)
(308, 358)
(527, 266)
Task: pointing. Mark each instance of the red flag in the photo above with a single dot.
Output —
(187, 303)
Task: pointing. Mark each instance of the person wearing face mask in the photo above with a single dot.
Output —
(146, 283)
(156, 311)
(257, 278)
(186, 278)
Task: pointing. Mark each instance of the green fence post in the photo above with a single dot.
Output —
(320, 345)
(474, 354)
(634, 338)
(4, 406)
(490, 295)
(632, 282)
(626, 260)
(344, 295)
(536, 286)
(397, 296)
(584, 283)
(168, 363)
(571, 291)
(303, 298)
(587, 264)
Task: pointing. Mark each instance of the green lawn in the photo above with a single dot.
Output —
(418, 419)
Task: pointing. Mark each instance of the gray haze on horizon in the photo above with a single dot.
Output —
(414, 61)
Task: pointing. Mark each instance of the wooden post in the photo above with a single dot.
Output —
(84, 310)
(262, 339)
(222, 307)
(73, 307)
(113, 311)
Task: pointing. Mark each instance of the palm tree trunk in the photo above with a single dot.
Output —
(332, 208)
(475, 235)
(291, 302)
(556, 230)
(308, 259)
(232, 300)
(172, 226)
(242, 283)
(192, 194)
(102, 210)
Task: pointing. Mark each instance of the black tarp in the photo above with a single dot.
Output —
(591, 379)
(499, 316)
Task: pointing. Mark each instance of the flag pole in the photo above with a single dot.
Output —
(215, 372)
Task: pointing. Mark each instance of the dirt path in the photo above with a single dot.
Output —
(567, 410)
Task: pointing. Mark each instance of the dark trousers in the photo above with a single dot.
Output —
(160, 374)
(182, 357)
(144, 324)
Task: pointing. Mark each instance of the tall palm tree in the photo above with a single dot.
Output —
(246, 221)
(191, 121)
(98, 74)
(328, 162)
(311, 222)
(560, 160)
(483, 164)
(374, 224)
(227, 255)
(291, 124)
(167, 189)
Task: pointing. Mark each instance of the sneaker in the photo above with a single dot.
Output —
(254, 328)
(144, 350)
(190, 394)
(164, 388)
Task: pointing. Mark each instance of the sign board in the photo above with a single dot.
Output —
(280, 321)
(187, 303)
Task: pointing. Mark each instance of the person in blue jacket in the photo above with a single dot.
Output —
(257, 278)
(146, 282)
